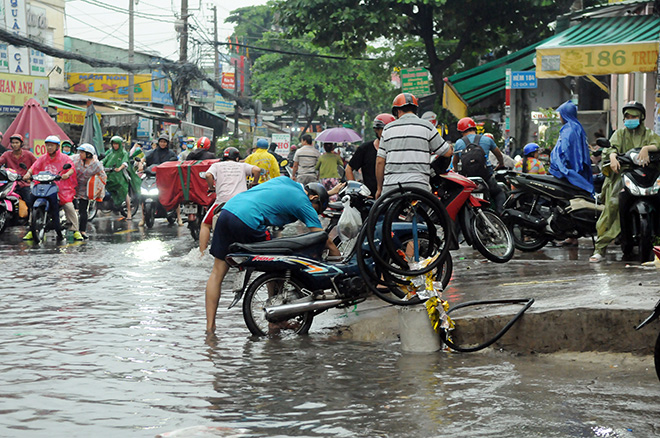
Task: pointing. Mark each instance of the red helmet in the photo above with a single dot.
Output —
(383, 119)
(404, 99)
(466, 123)
(203, 143)
(17, 137)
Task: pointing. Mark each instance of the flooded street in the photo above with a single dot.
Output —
(106, 338)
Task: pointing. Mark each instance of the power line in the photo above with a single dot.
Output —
(144, 15)
(286, 52)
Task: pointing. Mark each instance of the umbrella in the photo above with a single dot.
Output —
(338, 135)
(91, 132)
(34, 124)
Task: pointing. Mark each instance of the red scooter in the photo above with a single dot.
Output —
(466, 201)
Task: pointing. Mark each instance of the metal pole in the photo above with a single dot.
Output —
(183, 47)
(131, 36)
(236, 94)
(216, 67)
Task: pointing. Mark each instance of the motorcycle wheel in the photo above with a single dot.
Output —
(194, 229)
(38, 224)
(149, 217)
(4, 216)
(491, 237)
(656, 356)
(135, 203)
(171, 217)
(91, 210)
(269, 290)
(644, 238)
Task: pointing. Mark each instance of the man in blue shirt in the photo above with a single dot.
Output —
(244, 219)
(468, 128)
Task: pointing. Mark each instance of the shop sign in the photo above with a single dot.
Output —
(15, 90)
(223, 105)
(283, 142)
(110, 86)
(415, 81)
(73, 116)
(228, 81)
(161, 88)
(596, 60)
(16, 22)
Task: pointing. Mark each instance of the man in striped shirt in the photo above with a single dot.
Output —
(406, 147)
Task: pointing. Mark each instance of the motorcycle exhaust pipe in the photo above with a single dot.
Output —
(524, 219)
(284, 311)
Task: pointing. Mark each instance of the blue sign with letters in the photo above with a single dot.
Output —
(523, 79)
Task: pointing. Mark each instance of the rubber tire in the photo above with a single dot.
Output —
(38, 223)
(92, 210)
(149, 217)
(4, 217)
(645, 238)
(520, 202)
(656, 356)
(171, 217)
(481, 247)
(194, 229)
(248, 317)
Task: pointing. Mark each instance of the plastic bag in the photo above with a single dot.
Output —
(349, 223)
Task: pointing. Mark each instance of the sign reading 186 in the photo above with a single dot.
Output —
(619, 58)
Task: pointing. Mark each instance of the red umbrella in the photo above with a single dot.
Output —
(34, 124)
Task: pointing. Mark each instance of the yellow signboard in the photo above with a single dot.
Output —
(557, 62)
(72, 116)
(39, 147)
(110, 85)
(452, 101)
(15, 90)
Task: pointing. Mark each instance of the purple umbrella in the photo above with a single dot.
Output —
(338, 135)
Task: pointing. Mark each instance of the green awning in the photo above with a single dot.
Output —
(61, 104)
(480, 82)
(601, 46)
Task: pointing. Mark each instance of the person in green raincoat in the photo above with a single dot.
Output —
(118, 179)
(633, 135)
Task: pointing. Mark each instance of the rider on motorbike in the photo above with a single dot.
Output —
(202, 151)
(264, 160)
(632, 135)
(53, 161)
(530, 163)
(229, 179)
(120, 174)
(91, 181)
(13, 160)
(468, 129)
(159, 155)
(244, 219)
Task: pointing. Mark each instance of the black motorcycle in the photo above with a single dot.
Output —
(656, 354)
(543, 208)
(108, 205)
(152, 206)
(639, 203)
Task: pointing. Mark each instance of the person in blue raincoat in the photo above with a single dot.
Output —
(570, 157)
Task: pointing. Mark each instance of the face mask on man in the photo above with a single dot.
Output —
(631, 123)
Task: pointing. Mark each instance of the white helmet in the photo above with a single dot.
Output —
(87, 148)
(52, 139)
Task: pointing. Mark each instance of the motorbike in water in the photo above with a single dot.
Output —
(10, 201)
(149, 195)
(639, 202)
(543, 208)
(397, 250)
(45, 208)
(466, 201)
(108, 205)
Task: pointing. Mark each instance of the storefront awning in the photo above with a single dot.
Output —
(471, 86)
(601, 46)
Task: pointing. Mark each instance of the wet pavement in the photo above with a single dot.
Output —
(105, 338)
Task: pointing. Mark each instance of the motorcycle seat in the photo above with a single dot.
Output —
(336, 205)
(282, 246)
(572, 190)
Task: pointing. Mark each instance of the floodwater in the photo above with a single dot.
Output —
(106, 338)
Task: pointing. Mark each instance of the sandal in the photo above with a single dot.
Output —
(596, 258)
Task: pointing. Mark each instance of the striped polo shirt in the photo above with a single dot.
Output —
(407, 145)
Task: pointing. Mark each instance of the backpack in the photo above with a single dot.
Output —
(473, 159)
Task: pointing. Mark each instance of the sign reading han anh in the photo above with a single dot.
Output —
(415, 81)
(111, 86)
(523, 79)
(15, 90)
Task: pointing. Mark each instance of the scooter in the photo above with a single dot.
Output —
(46, 206)
(152, 206)
(639, 203)
(466, 201)
(296, 284)
(543, 208)
(9, 199)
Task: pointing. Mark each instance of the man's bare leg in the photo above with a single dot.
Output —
(204, 237)
(213, 288)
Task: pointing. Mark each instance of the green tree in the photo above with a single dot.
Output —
(453, 33)
(250, 24)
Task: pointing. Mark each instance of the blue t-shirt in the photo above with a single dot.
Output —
(486, 143)
(276, 202)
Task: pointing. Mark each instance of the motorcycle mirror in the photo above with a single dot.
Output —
(603, 142)
(67, 166)
(342, 172)
(284, 163)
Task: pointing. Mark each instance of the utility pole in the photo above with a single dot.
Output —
(131, 37)
(183, 47)
(236, 94)
(216, 67)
